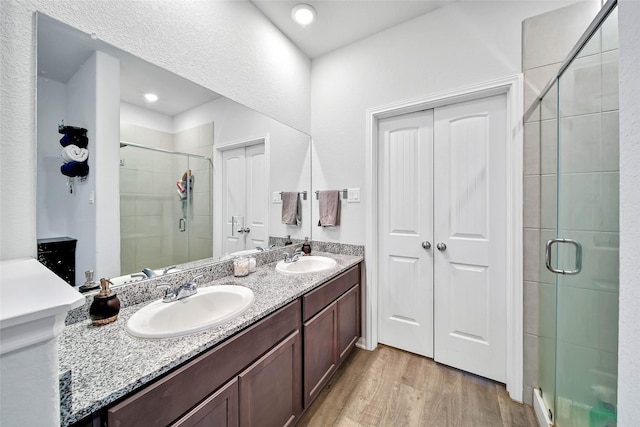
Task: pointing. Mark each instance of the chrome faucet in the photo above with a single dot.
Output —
(148, 272)
(166, 270)
(293, 257)
(183, 291)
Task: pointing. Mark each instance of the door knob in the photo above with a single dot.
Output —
(441, 246)
(426, 244)
(246, 230)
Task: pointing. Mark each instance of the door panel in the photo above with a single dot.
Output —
(245, 200)
(469, 214)
(233, 202)
(406, 220)
(257, 199)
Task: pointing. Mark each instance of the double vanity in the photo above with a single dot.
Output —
(261, 365)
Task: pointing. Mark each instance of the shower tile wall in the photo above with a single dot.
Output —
(547, 40)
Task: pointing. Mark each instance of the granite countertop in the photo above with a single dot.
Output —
(100, 364)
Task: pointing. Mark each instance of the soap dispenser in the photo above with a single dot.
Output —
(105, 306)
(306, 246)
(288, 241)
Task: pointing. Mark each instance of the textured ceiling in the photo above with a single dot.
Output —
(62, 50)
(341, 22)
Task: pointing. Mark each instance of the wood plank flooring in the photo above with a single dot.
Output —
(390, 387)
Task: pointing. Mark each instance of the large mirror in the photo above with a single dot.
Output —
(192, 176)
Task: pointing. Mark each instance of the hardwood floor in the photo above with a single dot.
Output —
(390, 387)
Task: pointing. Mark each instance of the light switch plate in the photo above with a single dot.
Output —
(277, 198)
(353, 195)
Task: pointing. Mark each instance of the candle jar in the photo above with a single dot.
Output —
(241, 267)
(252, 264)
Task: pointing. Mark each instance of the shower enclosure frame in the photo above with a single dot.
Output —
(186, 216)
(563, 256)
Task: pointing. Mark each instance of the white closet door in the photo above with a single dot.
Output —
(470, 207)
(405, 312)
(234, 199)
(257, 202)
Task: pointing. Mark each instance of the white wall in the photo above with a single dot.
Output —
(629, 318)
(81, 112)
(106, 152)
(53, 213)
(90, 99)
(458, 45)
(130, 113)
(228, 47)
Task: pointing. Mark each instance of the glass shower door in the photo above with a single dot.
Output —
(198, 212)
(585, 251)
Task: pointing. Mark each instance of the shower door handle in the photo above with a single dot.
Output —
(547, 256)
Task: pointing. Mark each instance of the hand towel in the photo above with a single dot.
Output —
(75, 169)
(73, 153)
(291, 208)
(329, 205)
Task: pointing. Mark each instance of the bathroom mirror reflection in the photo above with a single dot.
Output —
(192, 176)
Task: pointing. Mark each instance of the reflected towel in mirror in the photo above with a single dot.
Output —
(73, 153)
(73, 169)
(291, 208)
(79, 140)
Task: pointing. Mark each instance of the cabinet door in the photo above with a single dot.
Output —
(320, 351)
(218, 410)
(348, 321)
(271, 389)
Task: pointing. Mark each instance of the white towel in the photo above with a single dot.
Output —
(73, 153)
(329, 206)
(291, 209)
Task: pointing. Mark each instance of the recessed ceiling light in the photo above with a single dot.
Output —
(303, 14)
(151, 97)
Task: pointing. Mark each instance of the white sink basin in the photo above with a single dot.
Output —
(245, 252)
(306, 264)
(211, 306)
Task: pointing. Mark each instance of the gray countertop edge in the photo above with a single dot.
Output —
(100, 364)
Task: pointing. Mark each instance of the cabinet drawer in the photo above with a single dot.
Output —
(218, 410)
(319, 298)
(167, 399)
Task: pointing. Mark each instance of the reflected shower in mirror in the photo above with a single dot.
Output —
(166, 213)
(169, 182)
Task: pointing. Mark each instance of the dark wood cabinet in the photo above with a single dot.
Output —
(172, 396)
(320, 351)
(348, 306)
(332, 332)
(264, 376)
(218, 410)
(270, 389)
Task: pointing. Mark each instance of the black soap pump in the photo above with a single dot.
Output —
(306, 246)
(105, 306)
